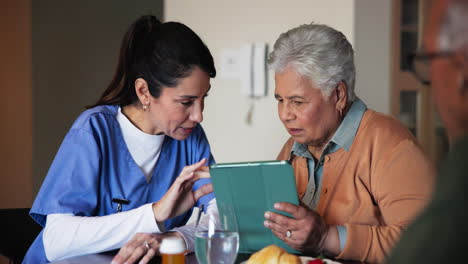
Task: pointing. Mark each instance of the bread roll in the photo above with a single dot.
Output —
(287, 258)
(273, 254)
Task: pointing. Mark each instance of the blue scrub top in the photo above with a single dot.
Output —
(94, 165)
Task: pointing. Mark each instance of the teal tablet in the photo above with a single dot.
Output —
(251, 189)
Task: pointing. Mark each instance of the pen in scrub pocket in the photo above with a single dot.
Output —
(199, 214)
(119, 203)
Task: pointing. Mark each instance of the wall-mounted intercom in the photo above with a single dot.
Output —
(248, 64)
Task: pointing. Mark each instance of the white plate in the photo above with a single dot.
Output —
(327, 261)
(304, 260)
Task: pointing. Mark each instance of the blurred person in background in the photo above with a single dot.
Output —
(440, 233)
(130, 169)
(361, 176)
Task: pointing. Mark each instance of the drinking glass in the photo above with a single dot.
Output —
(217, 237)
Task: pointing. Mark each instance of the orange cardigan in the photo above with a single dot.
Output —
(375, 189)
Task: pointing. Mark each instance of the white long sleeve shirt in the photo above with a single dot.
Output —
(66, 235)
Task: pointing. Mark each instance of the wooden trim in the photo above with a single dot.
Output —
(406, 81)
(16, 109)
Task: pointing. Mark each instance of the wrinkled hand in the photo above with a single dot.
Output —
(135, 249)
(307, 228)
(180, 197)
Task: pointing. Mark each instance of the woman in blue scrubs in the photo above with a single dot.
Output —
(135, 161)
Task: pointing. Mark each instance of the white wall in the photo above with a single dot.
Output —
(372, 52)
(228, 24)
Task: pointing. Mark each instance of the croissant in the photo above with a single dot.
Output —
(273, 254)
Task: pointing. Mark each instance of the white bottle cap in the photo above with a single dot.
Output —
(172, 245)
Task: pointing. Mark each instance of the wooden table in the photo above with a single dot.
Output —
(106, 258)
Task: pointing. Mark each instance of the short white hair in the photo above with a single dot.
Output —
(318, 52)
(453, 33)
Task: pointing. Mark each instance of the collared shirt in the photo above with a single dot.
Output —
(343, 138)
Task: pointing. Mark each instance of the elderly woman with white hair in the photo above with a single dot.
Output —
(360, 175)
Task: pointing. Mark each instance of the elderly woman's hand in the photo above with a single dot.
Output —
(141, 248)
(305, 231)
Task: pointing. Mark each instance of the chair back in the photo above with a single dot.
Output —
(18, 232)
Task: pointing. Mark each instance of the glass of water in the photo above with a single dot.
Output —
(217, 237)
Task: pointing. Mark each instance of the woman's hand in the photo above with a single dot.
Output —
(180, 197)
(306, 231)
(142, 245)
